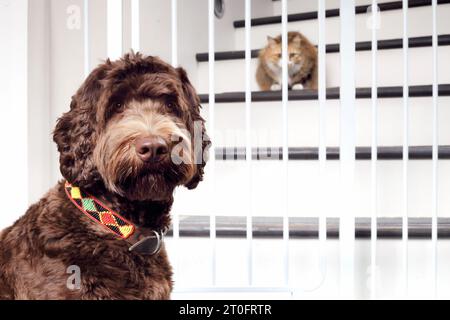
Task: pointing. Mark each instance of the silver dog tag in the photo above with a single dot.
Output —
(149, 245)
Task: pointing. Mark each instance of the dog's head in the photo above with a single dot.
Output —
(135, 126)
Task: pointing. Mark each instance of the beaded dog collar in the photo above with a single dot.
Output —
(141, 240)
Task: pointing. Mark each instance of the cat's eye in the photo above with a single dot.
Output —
(118, 106)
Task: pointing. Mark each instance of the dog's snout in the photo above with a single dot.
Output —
(151, 148)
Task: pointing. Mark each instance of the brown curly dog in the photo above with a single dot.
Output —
(133, 133)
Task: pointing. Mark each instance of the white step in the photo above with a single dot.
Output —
(390, 27)
(230, 74)
(193, 256)
(295, 6)
(229, 195)
(303, 124)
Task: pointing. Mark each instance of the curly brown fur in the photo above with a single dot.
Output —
(119, 102)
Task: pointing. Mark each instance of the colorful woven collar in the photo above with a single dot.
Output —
(141, 240)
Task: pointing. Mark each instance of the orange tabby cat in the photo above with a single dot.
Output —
(302, 64)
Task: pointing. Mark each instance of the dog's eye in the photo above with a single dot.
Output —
(118, 106)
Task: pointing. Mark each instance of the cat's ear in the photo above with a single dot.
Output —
(297, 40)
(271, 41)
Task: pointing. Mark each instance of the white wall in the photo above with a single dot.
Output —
(97, 32)
(39, 125)
(13, 111)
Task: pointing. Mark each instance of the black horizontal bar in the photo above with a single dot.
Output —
(272, 227)
(387, 6)
(332, 93)
(312, 153)
(226, 55)
(415, 42)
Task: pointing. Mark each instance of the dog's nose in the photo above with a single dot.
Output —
(151, 148)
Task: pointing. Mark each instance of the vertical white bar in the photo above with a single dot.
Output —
(284, 102)
(14, 110)
(86, 37)
(322, 105)
(135, 26)
(322, 131)
(248, 140)
(174, 27)
(374, 158)
(347, 148)
(405, 157)
(211, 120)
(174, 37)
(434, 224)
(114, 27)
(174, 40)
(322, 84)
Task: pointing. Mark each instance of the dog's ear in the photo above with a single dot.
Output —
(75, 133)
(198, 130)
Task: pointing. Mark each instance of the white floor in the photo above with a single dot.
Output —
(192, 262)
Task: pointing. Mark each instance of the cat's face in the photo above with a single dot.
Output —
(273, 54)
